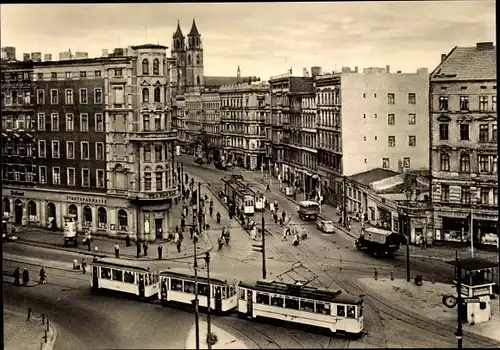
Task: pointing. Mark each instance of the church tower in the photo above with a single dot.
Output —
(194, 61)
(179, 54)
(238, 75)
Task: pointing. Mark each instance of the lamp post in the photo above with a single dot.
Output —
(209, 330)
(407, 231)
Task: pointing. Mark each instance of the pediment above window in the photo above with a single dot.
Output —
(464, 151)
(486, 118)
(145, 83)
(465, 119)
(443, 118)
(444, 148)
(157, 83)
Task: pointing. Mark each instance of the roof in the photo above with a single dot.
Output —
(308, 203)
(219, 81)
(202, 276)
(178, 32)
(194, 30)
(379, 231)
(123, 264)
(369, 176)
(471, 264)
(149, 46)
(468, 63)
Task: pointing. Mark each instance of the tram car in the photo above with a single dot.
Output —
(377, 241)
(236, 190)
(116, 275)
(177, 287)
(339, 313)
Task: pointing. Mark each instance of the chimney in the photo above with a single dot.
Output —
(443, 57)
(26, 57)
(356, 69)
(47, 57)
(104, 52)
(399, 72)
(387, 69)
(484, 46)
(304, 72)
(315, 71)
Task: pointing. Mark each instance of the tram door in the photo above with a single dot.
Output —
(249, 303)
(95, 277)
(141, 285)
(218, 299)
(164, 289)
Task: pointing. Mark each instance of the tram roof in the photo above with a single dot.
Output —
(187, 274)
(474, 264)
(305, 292)
(141, 266)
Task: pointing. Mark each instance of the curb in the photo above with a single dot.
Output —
(51, 337)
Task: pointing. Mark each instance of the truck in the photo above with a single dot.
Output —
(379, 242)
(70, 234)
(308, 210)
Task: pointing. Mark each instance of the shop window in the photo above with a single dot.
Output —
(105, 273)
(117, 275)
(306, 305)
(262, 299)
(122, 220)
(32, 210)
(189, 287)
(351, 311)
(322, 308)
(277, 301)
(129, 277)
(103, 219)
(176, 284)
(341, 310)
(292, 303)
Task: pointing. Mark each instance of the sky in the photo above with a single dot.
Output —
(264, 39)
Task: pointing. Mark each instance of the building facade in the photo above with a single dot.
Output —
(211, 122)
(464, 153)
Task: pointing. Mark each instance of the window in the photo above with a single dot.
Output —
(464, 132)
(145, 122)
(145, 95)
(306, 305)
(156, 67)
(84, 150)
(157, 94)
(85, 177)
(54, 98)
(145, 67)
(54, 122)
(97, 73)
(277, 301)
(71, 176)
(391, 99)
(40, 97)
(176, 285)
(158, 122)
(147, 181)
(56, 175)
(443, 131)
(484, 163)
(106, 273)
(392, 141)
(445, 162)
(118, 72)
(412, 141)
(494, 164)
(40, 76)
(443, 103)
(391, 119)
(412, 98)
(351, 311)
(69, 96)
(53, 75)
(484, 195)
(100, 178)
(84, 122)
(70, 122)
(341, 310)
(42, 149)
(242, 293)
(261, 298)
(147, 153)
(41, 121)
(483, 103)
(445, 193)
(159, 180)
(99, 122)
(464, 103)
(202, 289)
(42, 174)
(412, 119)
(189, 287)
(406, 162)
(102, 220)
(97, 96)
(495, 196)
(117, 275)
(493, 103)
(68, 75)
(83, 96)
(386, 163)
(56, 152)
(158, 153)
(465, 163)
(99, 151)
(484, 133)
(322, 308)
(465, 195)
(83, 74)
(292, 303)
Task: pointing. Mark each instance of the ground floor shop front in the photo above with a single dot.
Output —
(103, 214)
(250, 160)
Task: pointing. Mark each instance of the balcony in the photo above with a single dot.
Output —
(171, 193)
(153, 136)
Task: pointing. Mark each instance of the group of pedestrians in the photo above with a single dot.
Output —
(26, 276)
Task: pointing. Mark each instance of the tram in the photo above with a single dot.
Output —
(116, 275)
(341, 314)
(177, 286)
(236, 191)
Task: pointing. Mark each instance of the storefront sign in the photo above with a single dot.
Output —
(164, 194)
(465, 290)
(86, 200)
(481, 291)
(16, 194)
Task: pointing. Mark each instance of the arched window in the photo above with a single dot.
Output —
(73, 210)
(102, 217)
(198, 59)
(145, 95)
(51, 211)
(157, 94)
(156, 67)
(147, 180)
(6, 206)
(145, 67)
(87, 216)
(177, 44)
(198, 80)
(159, 178)
(122, 220)
(32, 210)
(189, 59)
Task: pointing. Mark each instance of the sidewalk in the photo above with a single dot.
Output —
(328, 212)
(224, 339)
(23, 334)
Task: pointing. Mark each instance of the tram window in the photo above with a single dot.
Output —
(128, 277)
(242, 293)
(262, 299)
(322, 308)
(202, 289)
(292, 303)
(360, 310)
(146, 280)
(341, 310)
(306, 305)
(117, 275)
(176, 284)
(277, 301)
(224, 292)
(188, 287)
(105, 273)
(231, 291)
(351, 311)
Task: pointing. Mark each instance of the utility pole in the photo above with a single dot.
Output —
(407, 230)
(344, 202)
(209, 325)
(459, 333)
(264, 272)
(195, 241)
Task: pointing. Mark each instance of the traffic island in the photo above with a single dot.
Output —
(223, 339)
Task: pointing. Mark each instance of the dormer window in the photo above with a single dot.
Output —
(145, 67)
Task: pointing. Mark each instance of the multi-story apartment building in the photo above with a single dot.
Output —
(463, 145)
(244, 110)
(18, 140)
(105, 144)
(210, 116)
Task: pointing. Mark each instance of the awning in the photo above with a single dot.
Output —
(28, 136)
(5, 135)
(15, 135)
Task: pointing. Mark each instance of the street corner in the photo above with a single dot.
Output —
(225, 340)
(23, 333)
(51, 337)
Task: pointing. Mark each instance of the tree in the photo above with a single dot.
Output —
(204, 142)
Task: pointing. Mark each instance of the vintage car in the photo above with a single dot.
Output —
(325, 226)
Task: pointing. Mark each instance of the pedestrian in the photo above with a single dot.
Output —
(271, 207)
(160, 250)
(89, 240)
(275, 218)
(268, 188)
(17, 276)
(191, 232)
(138, 246)
(179, 246)
(117, 250)
(183, 222)
(127, 241)
(26, 276)
(285, 233)
(283, 215)
(145, 248)
(84, 266)
(43, 276)
(276, 207)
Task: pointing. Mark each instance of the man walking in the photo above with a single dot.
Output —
(117, 251)
(145, 248)
(138, 246)
(160, 251)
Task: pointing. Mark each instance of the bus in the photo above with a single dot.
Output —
(308, 210)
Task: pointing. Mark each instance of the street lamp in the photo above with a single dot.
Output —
(407, 232)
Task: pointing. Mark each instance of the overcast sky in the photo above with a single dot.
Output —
(263, 38)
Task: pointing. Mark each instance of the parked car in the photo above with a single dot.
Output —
(198, 161)
(8, 238)
(325, 226)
